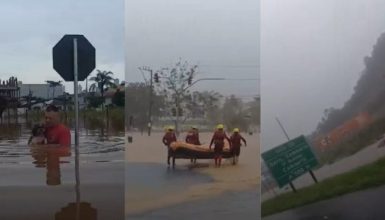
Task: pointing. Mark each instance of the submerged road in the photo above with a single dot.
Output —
(228, 206)
(362, 205)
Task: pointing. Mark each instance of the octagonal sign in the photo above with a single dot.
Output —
(63, 57)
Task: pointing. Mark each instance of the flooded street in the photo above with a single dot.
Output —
(155, 191)
(43, 183)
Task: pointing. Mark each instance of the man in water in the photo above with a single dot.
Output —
(235, 140)
(168, 138)
(219, 142)
(57, 134)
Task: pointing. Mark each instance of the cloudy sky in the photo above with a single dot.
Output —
(311, 57)
(221, 36)
(29, 30)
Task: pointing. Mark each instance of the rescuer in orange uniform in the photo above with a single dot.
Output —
(218, 140)
(235, 140)
(192, 137)
(168, 138)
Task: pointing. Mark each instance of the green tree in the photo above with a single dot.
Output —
(206, 103)
(3, 105)
(118, 99)
(102, 81)
(253, 111)
(94, 101)
(137, 104)
(234, 113)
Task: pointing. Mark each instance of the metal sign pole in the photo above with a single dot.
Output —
(76, 92)
(287, 136)
(76, 128)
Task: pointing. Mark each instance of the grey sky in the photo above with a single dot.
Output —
(222, 36)
(311, 57)
(29, 30)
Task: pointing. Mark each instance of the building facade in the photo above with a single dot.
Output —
(41, 90)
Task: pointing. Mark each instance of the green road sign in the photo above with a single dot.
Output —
(290, 160)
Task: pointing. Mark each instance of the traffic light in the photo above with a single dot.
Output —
(156, 77)
(189, 80)
(173, 111)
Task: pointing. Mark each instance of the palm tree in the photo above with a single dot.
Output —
(103, 80)
(53, 85)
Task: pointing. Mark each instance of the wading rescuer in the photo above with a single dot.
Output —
(168, 138)
(235, 140)
(192, 137)
(218, 140)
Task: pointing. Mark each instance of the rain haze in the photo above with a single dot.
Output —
(31, 28)
(312, 54)
(220, 36)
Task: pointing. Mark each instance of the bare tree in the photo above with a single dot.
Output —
(173, 84)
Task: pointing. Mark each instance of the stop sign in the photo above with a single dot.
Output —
(63, 57)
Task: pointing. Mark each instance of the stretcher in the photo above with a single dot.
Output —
(183, 150)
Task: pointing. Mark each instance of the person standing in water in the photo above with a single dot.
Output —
(235, 140)
(192, 137)
(218, 140)
(168, 138)
(57, 134)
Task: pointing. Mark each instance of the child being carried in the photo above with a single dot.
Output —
(38, 136)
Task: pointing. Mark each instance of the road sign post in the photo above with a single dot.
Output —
(287, 136)
(74, 59)
(75, 42)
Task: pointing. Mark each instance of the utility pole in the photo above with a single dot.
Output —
(150, 106)
(149, 125)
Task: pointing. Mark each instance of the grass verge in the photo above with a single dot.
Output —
(364, 177)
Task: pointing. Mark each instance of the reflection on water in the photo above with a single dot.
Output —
(49, 158)
(72, 211)
(145, 180)
(77, 183)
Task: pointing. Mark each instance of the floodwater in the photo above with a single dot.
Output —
(54, 184)
(155, 191)
(227, 206)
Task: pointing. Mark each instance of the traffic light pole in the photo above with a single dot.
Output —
(177, 114)
(150, 106)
